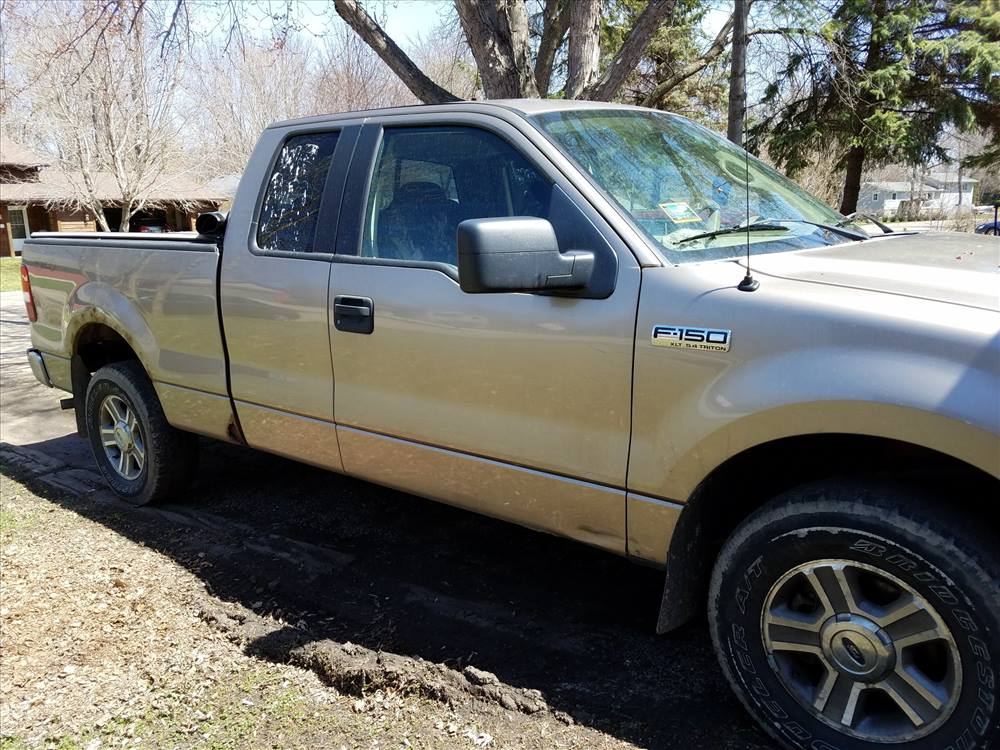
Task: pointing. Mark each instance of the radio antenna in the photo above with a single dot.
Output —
(749, 283)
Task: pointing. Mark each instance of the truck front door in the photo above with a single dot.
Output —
(514, 405)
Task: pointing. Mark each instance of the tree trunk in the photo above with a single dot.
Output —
(497, 33)
(584, 46)
(127, 211)
(852, 180)
(738, 75)
(101, 219)
(655, 14)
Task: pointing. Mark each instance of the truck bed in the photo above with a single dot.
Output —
(158, 292)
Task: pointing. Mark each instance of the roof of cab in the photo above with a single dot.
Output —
(523, 107)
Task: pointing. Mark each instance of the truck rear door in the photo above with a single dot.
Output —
(273, 286)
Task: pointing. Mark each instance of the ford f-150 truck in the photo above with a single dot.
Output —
(602, 322)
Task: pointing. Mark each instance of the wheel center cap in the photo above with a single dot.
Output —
(123, 436)
(857, 647)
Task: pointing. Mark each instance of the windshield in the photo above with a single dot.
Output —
(681, 183)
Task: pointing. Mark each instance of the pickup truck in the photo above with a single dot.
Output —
(602, 322)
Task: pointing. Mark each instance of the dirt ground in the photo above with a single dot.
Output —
(279, 606)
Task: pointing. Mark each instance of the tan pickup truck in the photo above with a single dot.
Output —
(542, 311)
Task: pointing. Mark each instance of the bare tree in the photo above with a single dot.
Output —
(499, 37)
(351, 77)
(238, 91)
(98, 94)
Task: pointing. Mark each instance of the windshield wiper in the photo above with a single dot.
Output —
(755, 227)
(835, 228)
(858, 215)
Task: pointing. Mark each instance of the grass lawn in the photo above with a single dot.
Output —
(10, 274)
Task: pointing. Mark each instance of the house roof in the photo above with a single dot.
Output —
(13, 154)
(902, 186)
(948, 178)
(56, 186)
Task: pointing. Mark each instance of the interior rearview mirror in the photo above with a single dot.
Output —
(517, 254)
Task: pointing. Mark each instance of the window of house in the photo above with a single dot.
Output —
(428, 180)
(291, 204)
(894, 196)
(874, 196)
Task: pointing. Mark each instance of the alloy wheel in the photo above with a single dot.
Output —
(863, 651)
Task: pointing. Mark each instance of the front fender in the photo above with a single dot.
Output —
(912, 370)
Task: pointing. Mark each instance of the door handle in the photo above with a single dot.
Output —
(354, 314)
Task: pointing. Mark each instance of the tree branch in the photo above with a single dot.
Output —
(714, 51)
(555, 23)
(655, 13)
(415, 79)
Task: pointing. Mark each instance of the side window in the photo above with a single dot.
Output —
(428, 180)
(291, 204)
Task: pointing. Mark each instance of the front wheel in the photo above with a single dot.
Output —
(142, 457)
(849, 617)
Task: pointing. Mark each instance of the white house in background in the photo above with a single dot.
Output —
(939, 192)
(950, 196)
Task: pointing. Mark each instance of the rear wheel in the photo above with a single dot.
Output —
(855, 617)
(141, 456)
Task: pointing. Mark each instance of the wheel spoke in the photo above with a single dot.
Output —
(108, 436)
(922, 685)
(786, 632)
(841, 702)
(909, 698)
(819, 587)
(121, 462)
(138, 458)
(932, 633)
(112, 406)
(906, 606)
(825, 688)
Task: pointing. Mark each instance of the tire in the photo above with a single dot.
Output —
(146, 460)
(900, 556)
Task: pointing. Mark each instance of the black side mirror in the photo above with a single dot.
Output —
(517, 254)
(212, 224)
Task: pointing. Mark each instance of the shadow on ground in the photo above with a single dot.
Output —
(354, 562)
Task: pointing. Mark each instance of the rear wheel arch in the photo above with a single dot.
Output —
(96, 345)
(734, 490)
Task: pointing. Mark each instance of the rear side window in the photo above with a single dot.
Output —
(294, 191)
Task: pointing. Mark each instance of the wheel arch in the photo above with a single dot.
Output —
(96, 342)
(759, 473)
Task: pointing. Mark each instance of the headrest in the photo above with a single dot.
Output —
(420, 192)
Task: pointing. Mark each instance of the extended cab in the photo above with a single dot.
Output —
(602, 322)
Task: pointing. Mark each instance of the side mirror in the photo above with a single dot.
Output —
(517, 254)
(211, 224)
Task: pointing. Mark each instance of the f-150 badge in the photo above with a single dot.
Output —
(706, 339)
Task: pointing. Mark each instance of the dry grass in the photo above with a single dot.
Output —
(10, 274)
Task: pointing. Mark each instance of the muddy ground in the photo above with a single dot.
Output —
(465, 621)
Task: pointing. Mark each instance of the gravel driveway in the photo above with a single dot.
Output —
(458, 609)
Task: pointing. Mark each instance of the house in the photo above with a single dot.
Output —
(952, 193)
(936, 192)
(37, 197)
(882, 198)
